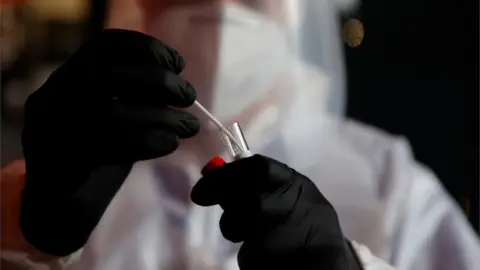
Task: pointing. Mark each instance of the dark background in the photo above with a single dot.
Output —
(417, 74)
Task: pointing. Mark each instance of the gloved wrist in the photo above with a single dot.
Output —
(58, 219)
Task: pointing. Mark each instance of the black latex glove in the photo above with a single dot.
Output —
(279, 214)
(103, 110)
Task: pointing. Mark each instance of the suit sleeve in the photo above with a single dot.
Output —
(436, 234)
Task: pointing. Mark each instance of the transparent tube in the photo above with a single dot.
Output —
(234, 150)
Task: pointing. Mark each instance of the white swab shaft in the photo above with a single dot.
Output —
(218, 124)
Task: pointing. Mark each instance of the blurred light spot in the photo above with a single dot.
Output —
(353, 32)
(60, 10)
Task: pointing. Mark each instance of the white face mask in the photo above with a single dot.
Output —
(233, 55)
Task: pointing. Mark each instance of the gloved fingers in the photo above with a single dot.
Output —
(134, 47)
(183, 124)
(148, 86)
(232, 227)
(231, 180)
(167, 56)
(144, 145)
(263, 254)
(241, 179)
(254, 253)
(253, 216)
(240, 224)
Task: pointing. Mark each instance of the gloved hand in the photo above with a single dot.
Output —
(279, 214)
(109, 106)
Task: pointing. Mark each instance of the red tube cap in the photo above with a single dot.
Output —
(214, 163)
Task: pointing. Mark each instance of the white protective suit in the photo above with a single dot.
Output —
(280, 75)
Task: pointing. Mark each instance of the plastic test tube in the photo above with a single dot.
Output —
(232, 135)
(240, 150)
